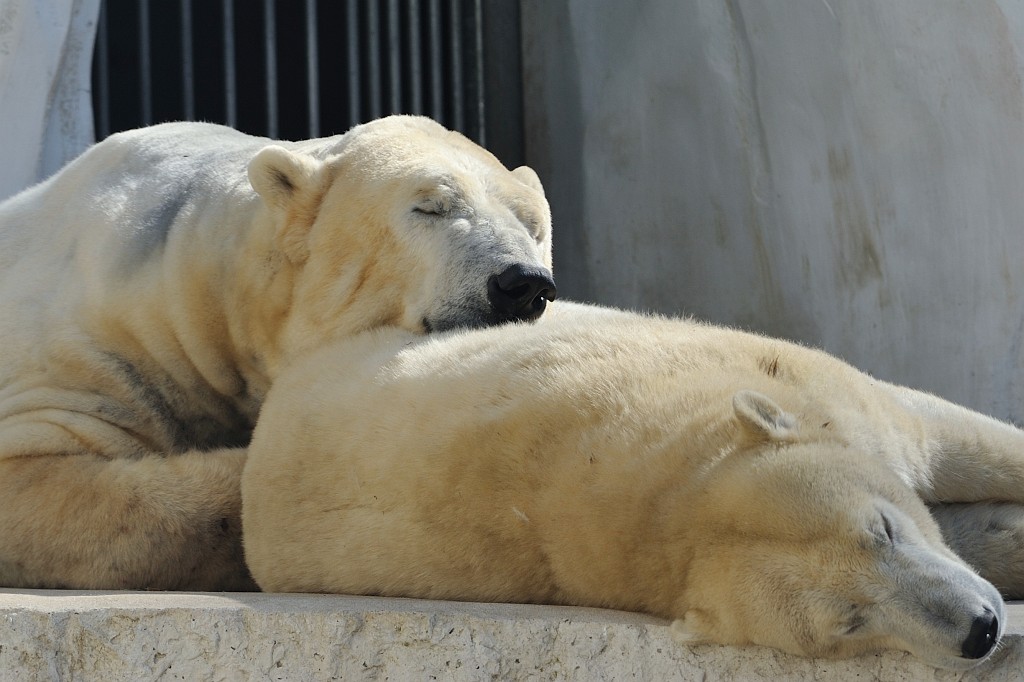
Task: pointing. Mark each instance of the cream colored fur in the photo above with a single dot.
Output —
(753, 490)
(152, 290)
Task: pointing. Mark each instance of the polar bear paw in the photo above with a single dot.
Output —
(990, 537)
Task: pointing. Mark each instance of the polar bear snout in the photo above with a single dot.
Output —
(946, 613)
(520, 293)
(983, 636)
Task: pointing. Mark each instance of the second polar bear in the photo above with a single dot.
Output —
(752, 490)
(152, 290)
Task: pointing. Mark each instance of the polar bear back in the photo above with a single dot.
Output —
(390, 435)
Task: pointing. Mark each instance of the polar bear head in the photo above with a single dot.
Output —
(820, 550)
(403, 222)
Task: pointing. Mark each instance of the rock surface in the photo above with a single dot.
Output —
(112, 636)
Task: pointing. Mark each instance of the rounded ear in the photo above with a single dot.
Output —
(289, 185)
(762, 418)
(280, 176)
(528, 177)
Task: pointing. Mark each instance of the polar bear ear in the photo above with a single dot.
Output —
(289, 184)
(762, 417)
(280, 176)
(528, 177)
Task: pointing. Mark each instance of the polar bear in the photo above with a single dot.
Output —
(752, 490)
(152, 290)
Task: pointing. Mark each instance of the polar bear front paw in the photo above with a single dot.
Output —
(990, 537)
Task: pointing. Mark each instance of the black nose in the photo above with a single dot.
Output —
(982, 637)
(520, 293)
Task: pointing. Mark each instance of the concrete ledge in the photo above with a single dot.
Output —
(111, 636)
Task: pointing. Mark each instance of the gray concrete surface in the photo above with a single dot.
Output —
(114, 636)
(846, 174)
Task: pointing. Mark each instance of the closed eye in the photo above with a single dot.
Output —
(431, 207)
(852, 620)
(854, 624)
(887, 529)
(883, 532)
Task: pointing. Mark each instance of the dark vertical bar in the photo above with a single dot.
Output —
(503, 81)
(457, 84)
(436, 78)
(312, 70)
(354, 84)
(145, 77)
(373, 54)
(188, 84)
(230, 87)
(102, 71)
(394, 59)
(478, 110)
(415, 66)
(270, 42)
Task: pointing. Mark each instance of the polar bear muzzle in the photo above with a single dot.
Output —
(520, 293)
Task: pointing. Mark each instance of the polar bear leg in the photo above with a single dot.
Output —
(969, 457)
(155, 522)
(990, 537)
(973, 481)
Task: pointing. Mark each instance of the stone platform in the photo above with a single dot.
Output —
(114, 636)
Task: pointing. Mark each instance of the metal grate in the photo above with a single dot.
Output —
(307, 68)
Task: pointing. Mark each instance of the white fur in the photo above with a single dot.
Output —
(753, 490)
(152, 290)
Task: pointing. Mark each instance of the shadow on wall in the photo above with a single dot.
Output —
(845, 175)
(551, 73)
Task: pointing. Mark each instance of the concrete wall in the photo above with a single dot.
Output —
(45, 107)
(850, 175)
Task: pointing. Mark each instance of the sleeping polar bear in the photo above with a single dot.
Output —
(152, 290)
(752, 490)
